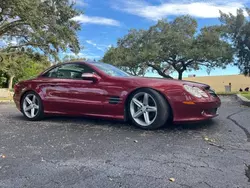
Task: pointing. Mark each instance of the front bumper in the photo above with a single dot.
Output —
(16, 99)
(198, 111)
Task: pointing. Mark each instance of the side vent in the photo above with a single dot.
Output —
(114, 100)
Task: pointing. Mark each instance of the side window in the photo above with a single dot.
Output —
(69, 71)
(52, 73)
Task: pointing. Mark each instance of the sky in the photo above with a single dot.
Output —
(104, 21)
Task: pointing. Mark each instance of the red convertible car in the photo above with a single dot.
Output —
(102, 90)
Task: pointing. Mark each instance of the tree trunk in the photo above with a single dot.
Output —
(10, 82)
(180, 75)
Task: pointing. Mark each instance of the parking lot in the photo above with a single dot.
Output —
(80, 152)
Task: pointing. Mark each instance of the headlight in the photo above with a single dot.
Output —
(195, 91)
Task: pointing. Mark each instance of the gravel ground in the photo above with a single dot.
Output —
(78, 152)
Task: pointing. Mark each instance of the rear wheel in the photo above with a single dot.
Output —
(148, 109)
(31, 106)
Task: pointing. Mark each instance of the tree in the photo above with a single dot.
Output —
(67, 58)
(45, 25)
(174, 46)
(3, 79)
(124, 59)
(22, 64)
(125, 56)
(33, 66)
(237, 30)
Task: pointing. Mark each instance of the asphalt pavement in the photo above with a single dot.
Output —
(82, 152)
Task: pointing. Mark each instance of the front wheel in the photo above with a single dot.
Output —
(31, 106)
(148, 109)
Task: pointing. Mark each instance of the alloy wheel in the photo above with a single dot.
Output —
(30, 106)
(143, 109)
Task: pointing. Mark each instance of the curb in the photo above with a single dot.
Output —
(243, 100)
(6, 101)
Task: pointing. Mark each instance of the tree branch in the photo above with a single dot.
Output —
(26, 44)
(159, 71)
(9, 26)
(189, 62)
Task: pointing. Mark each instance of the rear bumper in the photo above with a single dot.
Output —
(199, 111)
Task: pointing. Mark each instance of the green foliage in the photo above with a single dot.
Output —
(45, 25)
(3, 79)
(171, 46)
(32, 68)
(126, 57)
(20, 65)
(237, 29)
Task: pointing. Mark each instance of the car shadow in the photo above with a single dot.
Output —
(81, 122)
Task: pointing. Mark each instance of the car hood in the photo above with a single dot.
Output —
(156, 81)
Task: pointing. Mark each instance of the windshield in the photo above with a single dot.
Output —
(111, 70)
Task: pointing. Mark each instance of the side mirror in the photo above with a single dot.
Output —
(91, 76)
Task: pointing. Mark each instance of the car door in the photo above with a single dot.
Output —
(66, 92)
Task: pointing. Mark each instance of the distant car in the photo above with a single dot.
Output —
(102, 90)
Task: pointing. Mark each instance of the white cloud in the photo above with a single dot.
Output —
(90, 42)
(196, 8)
(13, 42)
(96, 20)
(80, 3)
(101, 47)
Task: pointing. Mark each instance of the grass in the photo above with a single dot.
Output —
(227, 93)
(247, 95)
(244, 93)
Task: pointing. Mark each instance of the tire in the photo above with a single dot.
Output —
(148, 109)
(32, 106)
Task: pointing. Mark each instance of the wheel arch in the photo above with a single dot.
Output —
(171, 115)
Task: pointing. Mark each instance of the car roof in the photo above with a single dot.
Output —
(83, 61)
